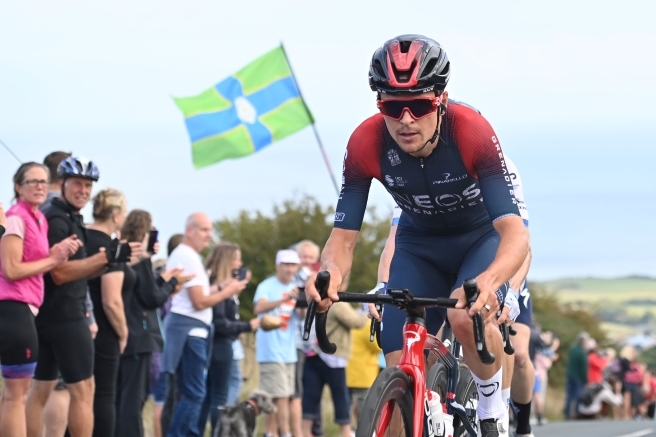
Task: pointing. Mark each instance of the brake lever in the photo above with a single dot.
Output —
(471, 292)
(505, 334)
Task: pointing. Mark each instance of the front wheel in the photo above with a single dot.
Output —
(467, 396)
(390, 398)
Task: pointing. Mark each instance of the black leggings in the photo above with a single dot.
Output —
(106, 374)
(133, 388)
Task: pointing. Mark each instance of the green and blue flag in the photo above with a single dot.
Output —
(246, 112)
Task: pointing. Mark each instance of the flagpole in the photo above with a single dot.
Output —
(314, 126)
(12, 153)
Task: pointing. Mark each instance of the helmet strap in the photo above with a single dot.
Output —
(440, 112)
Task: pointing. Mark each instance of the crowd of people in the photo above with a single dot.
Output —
(601, 383)
(81, 305)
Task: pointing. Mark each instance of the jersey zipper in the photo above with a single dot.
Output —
(430, 193)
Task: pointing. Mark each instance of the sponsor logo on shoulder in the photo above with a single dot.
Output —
(390, 180)
(448, 178)
(339, 216)
(393, 157)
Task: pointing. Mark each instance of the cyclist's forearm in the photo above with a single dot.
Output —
(338, 253)
(386, 256)
(511, 253)
(519, 277)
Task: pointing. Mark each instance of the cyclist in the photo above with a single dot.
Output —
(65, 343)
(438, 163)
(518, 367)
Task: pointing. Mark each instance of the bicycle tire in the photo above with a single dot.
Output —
(438, 379)
(467, 396)
(391, 385)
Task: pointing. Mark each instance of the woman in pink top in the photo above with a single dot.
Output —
(24, 257)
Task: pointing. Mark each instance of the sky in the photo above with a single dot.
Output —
(567, 86)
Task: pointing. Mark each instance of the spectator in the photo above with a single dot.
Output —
(308, 253)
(148, 294)
(596, 398)
(65, 342)
(222, 263)
(56, 410)
(597, 362)
(362, 369)
(188, 330)
(633, 374)
(323, 369)
(157, 377)
(577, 373)
(276, 349)
(110, 293)
(543, 359)
(55, 187)
(24, 257)
(3, 220)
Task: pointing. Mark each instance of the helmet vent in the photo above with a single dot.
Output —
(430, 66)
(379, 68)
(405, 46)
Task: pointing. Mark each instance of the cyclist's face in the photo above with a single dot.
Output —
(409, 133)
(77, 192)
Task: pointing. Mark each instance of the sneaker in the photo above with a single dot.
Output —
(493, 428)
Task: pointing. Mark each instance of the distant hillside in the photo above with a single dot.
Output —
(627, 305)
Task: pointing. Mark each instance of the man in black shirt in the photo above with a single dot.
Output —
(65, 343)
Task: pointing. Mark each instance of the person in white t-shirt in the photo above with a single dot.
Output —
(187, 330)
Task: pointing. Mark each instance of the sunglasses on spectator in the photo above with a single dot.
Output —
(35, 182)
(418, 108)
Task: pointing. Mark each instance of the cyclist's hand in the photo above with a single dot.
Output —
(511, 309)
(370, 308)
(487, 303)
(312, 294)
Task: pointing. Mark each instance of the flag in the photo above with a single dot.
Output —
(246, 112)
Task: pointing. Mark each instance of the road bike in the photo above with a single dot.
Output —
(406, 386)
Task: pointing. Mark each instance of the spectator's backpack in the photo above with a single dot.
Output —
(589, 393)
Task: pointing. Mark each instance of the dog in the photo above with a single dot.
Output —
(240, 420)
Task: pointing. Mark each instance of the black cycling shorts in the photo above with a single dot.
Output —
(434, 266)
(65, 348)
(19, 343)
(525, 316)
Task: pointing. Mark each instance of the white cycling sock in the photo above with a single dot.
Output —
(490, 402)
(505, 395)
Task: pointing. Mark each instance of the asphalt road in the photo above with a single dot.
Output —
(597, 428)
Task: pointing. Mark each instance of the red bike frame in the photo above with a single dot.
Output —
(412, 363)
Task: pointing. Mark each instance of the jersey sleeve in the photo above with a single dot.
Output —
(361, 165)
(483, 157)
(518, 189)
(396, 216)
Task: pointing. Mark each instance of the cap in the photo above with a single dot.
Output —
(288, 257)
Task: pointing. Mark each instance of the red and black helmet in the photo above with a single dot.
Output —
(409, 64)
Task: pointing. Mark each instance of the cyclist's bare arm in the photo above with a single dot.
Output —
(517, 280)
(387, 255)
(511, 253)
(336, 258)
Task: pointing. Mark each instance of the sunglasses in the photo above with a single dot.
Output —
(418, 108)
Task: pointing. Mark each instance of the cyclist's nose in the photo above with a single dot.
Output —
(406, 117)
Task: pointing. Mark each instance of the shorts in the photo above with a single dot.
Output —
(525, 316)
(278, 379)
(65, 348)
(298, 382)
(358, 396)
(537, 385)
(19, 342)
(434, 266)
(158, 391)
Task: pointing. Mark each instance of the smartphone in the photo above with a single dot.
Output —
(152, 239)
(240, 273)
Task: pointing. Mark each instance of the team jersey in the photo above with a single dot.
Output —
(462, 185)
(517, 189)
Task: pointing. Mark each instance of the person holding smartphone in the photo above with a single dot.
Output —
(227, 271)
(145, 337)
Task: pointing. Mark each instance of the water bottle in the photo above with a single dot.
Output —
(448, 425)
(435, 413)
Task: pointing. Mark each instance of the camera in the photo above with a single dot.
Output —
(299, 281)
(240, 273)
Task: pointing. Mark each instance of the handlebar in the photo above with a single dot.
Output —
(402, 299)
